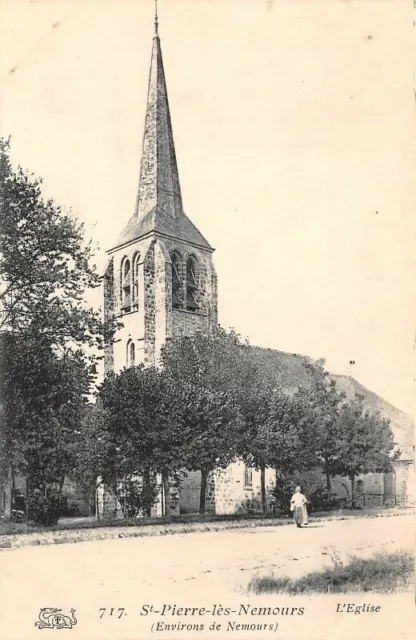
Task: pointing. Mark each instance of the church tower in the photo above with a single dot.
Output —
(160, 279)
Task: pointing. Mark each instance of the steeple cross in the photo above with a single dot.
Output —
(156, 19)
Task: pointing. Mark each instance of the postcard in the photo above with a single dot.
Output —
(207, 319)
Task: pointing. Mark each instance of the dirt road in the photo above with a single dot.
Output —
(193, 567)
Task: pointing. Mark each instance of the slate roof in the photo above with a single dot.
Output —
(179, 227)
(290, 373)
(159, 206)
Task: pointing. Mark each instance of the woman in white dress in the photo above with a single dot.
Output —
(298, 506)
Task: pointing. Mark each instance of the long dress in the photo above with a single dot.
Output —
(300, 515)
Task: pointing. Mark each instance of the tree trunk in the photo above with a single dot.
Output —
(166, 491)
(146, 487)
(328, 484)
(28, 494)
(263, 489)
(352, 480)
(203, 493)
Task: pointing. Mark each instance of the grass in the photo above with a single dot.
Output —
(12, 528)
(159, 525)
(383, 573)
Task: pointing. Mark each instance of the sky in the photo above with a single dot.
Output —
(294, 129)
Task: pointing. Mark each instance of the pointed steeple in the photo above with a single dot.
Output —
(159, 206)
(159, 179)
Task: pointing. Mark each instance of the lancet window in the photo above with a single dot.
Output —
(125, 286)
(136, 281)
(191, 284)
(177, 296)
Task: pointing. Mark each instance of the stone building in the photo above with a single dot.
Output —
(160, 282)
(160, 279)
(237, 489)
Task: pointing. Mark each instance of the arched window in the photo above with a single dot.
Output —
(191, 284)
(125, 286)
(136, 281)
(131, 354)
(177, 297)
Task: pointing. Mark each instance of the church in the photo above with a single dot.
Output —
(160, 282)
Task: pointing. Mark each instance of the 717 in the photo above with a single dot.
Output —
(117, 613)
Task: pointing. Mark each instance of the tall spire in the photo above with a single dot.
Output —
(159, 180)
(159, 202)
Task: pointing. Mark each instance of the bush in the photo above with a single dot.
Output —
(319, 500)
(282, 494)
(44, 511)
(136, 496)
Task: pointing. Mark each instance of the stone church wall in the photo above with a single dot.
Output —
(230, 493)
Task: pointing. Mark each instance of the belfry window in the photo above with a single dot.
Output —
(136, 282)
(177, 296)
(191, 285)
(126, 286)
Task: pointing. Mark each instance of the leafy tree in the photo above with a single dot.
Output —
(141, 435)
(211, 431)
(322, 437)
(45, 264)
(89, 451)
(212, 373)
(344, 437)
(364, 442)
(49, 337)
(43, 397)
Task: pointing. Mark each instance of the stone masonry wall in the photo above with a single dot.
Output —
(162, 298)
(405, 482)
(109, 313)
(228, 493)
(149, 307)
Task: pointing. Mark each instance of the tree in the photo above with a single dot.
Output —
(141, 435)
(43, 397)
(45, 270)
(211, 430)
(45, 265)
(212, 373)
(321, 439)
(364, 442)
(344, 437)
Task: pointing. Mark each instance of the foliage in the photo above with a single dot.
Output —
(342, 435)
(140, 431)
(49, 339)
(319, 500)
(211, 375)
(135, 496)
(367, 441)
(44, 264)
(43, 396)
(44, 510)
(282, 492)
(383, 573)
